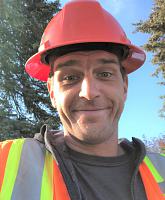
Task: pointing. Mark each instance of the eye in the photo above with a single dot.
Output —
(104, 75)
(69, 79)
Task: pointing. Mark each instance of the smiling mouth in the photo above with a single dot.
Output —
(90, 110)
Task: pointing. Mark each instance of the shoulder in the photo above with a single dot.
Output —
(156, 164)
(157, 160)
(17, 145)
(17, 141)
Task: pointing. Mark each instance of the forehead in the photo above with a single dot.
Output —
(81, 56)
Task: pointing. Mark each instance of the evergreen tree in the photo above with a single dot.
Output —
(24, 102)
(155, 26)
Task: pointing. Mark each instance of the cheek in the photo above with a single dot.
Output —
(63, 105)
(62, 102)
(118, 98)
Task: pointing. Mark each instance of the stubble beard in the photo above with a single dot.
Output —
(92, 135)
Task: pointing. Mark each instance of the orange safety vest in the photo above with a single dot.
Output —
(29, 171)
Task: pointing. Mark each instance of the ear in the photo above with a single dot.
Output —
(125, 87)
(51, 91)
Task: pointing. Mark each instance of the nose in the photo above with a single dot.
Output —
(89, 88)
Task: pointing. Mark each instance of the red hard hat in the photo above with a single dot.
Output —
(82, 21)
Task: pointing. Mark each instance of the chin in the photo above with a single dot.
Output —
(91, 136)
(86, 139)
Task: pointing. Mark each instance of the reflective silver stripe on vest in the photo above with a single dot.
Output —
(162, 186)
(28, 182)
(159, 163)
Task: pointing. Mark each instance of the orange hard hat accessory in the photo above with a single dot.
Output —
(79, 22)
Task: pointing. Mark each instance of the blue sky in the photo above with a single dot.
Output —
(140, 116)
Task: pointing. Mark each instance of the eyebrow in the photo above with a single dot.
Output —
(67, 64)
(76, 62)
(107, 61)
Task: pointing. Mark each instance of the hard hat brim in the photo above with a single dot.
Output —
(40, 71)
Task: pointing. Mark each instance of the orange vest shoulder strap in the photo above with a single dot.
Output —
(4, 151)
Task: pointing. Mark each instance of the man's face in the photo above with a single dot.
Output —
(89, 93)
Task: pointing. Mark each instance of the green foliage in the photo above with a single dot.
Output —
(24, 102)
(155, 26)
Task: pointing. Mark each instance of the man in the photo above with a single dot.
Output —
(84, 57)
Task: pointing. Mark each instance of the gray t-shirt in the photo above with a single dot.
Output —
(106, 178)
